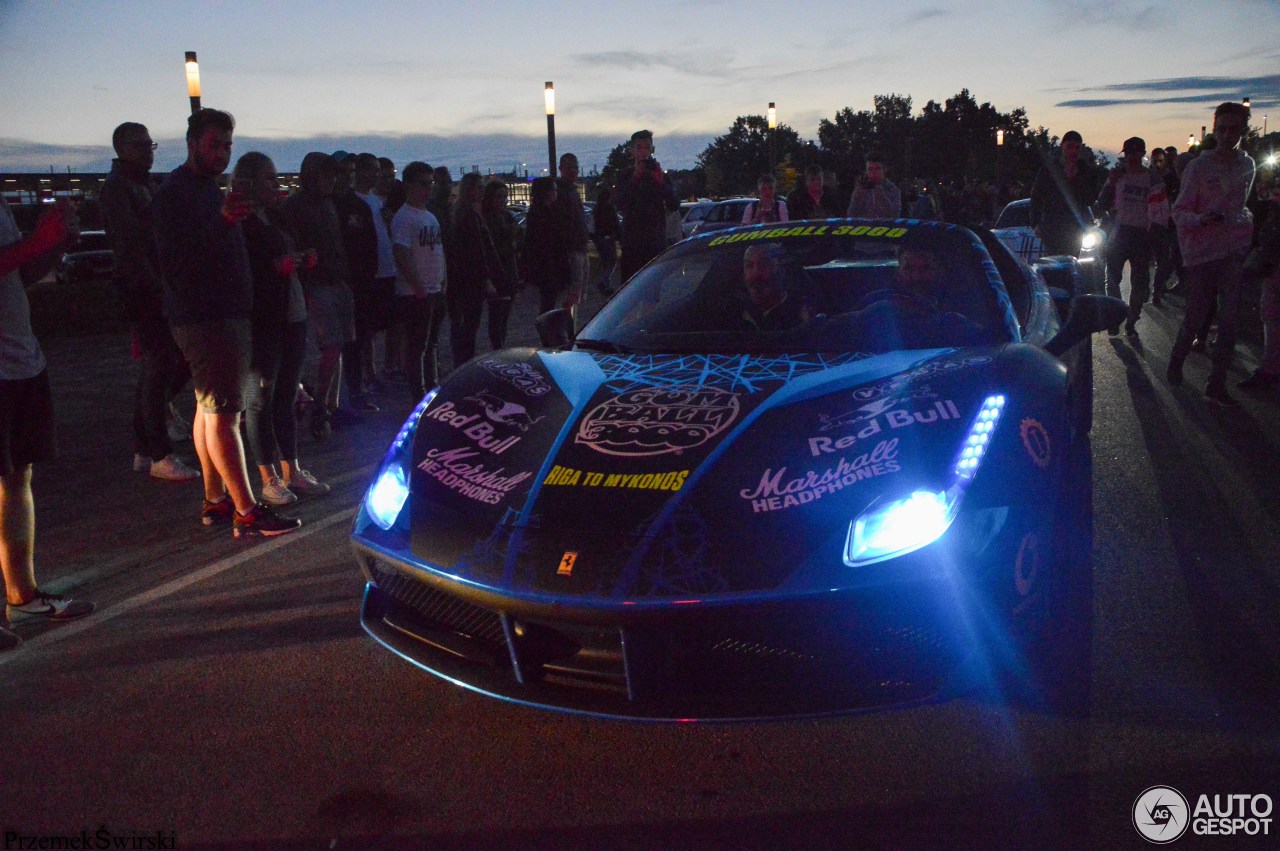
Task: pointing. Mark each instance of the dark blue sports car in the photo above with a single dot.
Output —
(788, 469)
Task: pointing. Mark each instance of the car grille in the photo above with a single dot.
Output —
(441, 610)
(744, 661)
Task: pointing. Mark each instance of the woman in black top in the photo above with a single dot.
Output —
(546, 245)
(473, 268)
(502, 227)
(605, 237)
(279, 322)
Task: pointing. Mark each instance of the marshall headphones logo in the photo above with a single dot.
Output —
(657, 420)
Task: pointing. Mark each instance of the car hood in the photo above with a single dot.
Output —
(652, 477)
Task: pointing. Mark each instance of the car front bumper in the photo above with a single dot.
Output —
(750, 657)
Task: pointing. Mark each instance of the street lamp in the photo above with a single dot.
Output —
(1247, 103)
(773, 125)
(999, 153)
(1191, 141)
(550, 96)
(193, 81)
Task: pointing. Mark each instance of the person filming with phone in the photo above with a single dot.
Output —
(875, 196)
(644, 197)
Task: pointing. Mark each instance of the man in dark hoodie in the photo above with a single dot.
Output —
(208, 299)
(330, 305)
(126, 213)
(360, 242)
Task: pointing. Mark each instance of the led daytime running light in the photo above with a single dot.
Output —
(979, 438)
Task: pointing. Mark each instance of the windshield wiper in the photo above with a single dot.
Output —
(602, 346)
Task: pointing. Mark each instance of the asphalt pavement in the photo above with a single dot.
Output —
(224, 691)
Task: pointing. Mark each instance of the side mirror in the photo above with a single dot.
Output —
(555, 328)
(1089, 315)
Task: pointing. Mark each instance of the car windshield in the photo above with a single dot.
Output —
(1015, 215)
(818, 288)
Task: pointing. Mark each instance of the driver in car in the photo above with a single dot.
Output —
(920, 273)
(769, 307)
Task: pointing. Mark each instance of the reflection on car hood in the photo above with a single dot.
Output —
(634, 477)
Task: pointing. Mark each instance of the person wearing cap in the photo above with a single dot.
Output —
(1214, 232)
(330, 306)
(1130, 189)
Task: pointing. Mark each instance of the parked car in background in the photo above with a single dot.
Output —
(692, 213)
(723, 214)
(90, 259)
(1013, 227)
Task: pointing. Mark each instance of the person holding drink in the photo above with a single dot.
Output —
(279, 333)
(208, 294)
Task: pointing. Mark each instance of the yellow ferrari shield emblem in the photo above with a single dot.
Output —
(566, 564)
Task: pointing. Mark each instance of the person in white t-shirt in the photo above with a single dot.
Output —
(418, 249)
(26, 414)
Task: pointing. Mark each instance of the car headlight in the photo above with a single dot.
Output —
(390, 489)
(890, 529)
(1092, 239)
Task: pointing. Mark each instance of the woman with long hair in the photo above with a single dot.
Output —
(279, 334)
(546, 245)
(473, 268)
(605, 236)
(502, 227)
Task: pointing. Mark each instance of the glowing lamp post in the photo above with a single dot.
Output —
(193, 81)
(773, 125)
(551, 125)
(999, 154)
(1191, 141)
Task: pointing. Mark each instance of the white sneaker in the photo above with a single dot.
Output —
(141, 463)
(171, 469)
(303, 483)
(275, 493)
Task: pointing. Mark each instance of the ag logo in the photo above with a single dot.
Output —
(1161, 814)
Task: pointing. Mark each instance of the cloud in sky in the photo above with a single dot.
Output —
(701, 64)
(1262, 89)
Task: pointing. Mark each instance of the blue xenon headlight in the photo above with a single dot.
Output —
(390, 489)
(890, 529)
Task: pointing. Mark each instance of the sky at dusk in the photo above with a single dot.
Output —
(461, 84)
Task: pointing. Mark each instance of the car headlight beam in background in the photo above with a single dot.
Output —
(890, 529)
(1092, 239)
(390, 489)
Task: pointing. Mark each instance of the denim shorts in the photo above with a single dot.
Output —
(219, 354)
